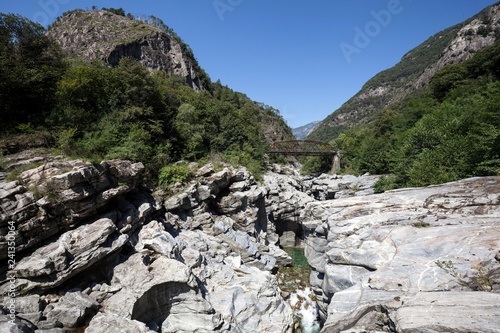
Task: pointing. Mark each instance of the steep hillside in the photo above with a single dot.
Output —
(303, 131)
(413, 72)
(101, 34)
(124, 88)
(450, 131)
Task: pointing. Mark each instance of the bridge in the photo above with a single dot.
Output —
(306, 148)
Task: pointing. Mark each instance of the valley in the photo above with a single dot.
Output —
(138, 195)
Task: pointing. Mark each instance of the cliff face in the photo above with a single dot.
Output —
(103, 35)
(472, 37)
(413, 73)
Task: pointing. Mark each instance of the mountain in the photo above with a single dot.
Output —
(110, 35)
(102, 34)
(302, 132)
(413, 73)
(100, 84)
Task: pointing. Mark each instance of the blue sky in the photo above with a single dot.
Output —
(305, 58)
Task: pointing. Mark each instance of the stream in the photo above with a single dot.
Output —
(294, 283)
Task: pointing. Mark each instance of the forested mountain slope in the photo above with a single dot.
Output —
(450, 131)
(101, 84)
(412, 74)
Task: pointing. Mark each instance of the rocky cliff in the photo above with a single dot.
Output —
(100, 34)
(453, 45)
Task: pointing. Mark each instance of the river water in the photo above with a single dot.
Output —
(295, 283)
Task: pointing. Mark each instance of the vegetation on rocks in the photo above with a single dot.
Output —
(90, 110)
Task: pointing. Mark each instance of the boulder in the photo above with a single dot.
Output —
(72, 310)
(19, 325)
(154, 237)
(250, 299)
(76, 250)
(30, 308)
(162, 292)
(113, 323)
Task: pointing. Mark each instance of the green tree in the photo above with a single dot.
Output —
(30, 67)
(446, 79)
(316, 165)
(83, 95)
(117, 11)
(457, 140)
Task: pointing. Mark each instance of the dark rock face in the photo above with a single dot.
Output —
(102, 35)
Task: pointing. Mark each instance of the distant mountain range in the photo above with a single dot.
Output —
(302, 132)
(413, 73)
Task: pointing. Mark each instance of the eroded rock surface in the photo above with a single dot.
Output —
(94, 248)
(409, 260)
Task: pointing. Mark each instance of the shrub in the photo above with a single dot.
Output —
(386, 183)
(316, 165)
(173, 173)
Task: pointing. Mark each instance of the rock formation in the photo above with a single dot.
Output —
(471, 38)
(100, 34)
(95, 250)
(410, 260)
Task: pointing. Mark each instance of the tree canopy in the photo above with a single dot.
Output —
(95, 111)
(30, 67)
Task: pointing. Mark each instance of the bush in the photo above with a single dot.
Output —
(245, 156)
(316, 165)
(174, 173)
(386, 183)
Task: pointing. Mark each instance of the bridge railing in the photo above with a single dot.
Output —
(306, 148)
(301, 148)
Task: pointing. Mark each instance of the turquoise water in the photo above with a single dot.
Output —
(296, 279)
(297, 274)
(298, 257)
